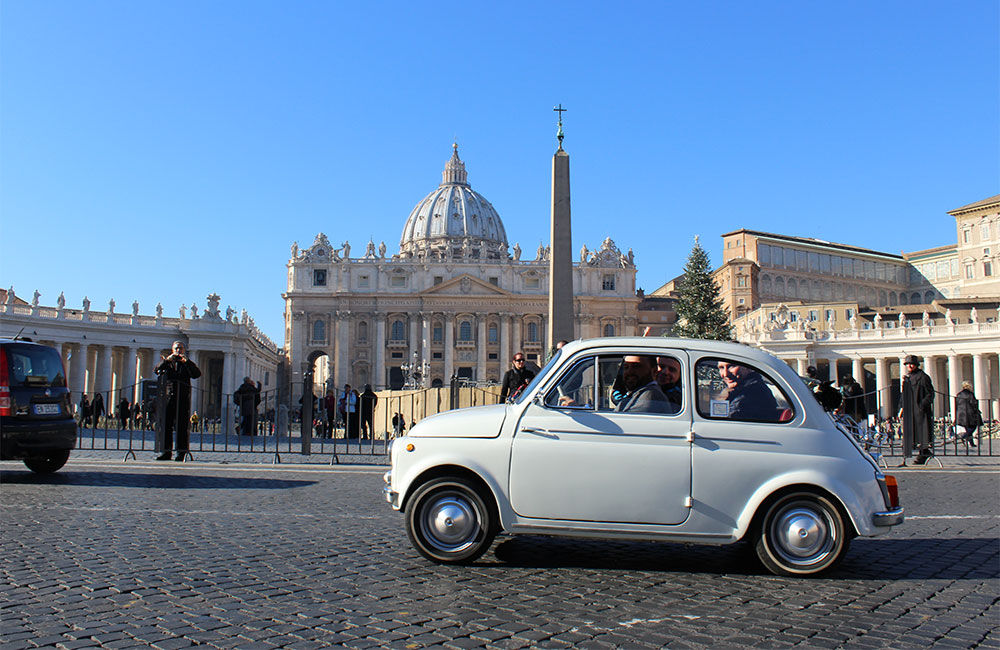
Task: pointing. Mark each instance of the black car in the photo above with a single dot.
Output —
(36, 415)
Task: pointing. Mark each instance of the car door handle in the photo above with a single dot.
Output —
(539, 432)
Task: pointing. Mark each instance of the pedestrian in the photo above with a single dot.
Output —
(917, 411)
(247, 397)
(398, 424)
(123, 412)
(97, 409)
(515, 379)
(194, 421)
(350, 412)
(177, 372)
(854, 399)
(330, 404)
(84, 411)
(368, 402)
(968, 418)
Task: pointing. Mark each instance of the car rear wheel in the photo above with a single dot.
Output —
(801, 534)
(448, 521)
(47, 463)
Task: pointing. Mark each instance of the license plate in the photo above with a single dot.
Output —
(46, 409)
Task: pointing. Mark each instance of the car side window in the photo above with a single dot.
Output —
(576, 388)
(730, 389)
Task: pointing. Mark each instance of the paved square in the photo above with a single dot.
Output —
(171, 556)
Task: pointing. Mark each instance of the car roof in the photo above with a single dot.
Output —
(653, 342)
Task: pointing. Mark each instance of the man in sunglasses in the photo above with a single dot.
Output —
(515, 379)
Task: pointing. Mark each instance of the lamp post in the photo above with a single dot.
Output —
(415, 372)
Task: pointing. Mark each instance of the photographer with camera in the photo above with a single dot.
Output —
(177, 371)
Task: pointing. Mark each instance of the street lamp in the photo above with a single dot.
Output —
(415, 372)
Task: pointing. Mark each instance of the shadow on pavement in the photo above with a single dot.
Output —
(70, 478)
(949, 558)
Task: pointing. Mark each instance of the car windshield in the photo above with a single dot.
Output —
(538, 376)
(33, 366)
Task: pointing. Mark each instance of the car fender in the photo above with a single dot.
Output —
(465, 454)
(846, 495)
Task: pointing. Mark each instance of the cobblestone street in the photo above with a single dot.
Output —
(169, 555)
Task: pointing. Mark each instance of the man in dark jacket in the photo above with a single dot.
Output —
(854, 399)
(247, 397)
(917, 411)
(967, 414)
(368, 402)
(515, 379)
(749, 397)
(177, 372)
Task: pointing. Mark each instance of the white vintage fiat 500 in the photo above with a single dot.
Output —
(677, 440)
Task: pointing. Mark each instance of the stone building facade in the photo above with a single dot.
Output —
(456, 300)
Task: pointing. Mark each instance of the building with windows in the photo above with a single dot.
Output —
(844, 309)
(455, 300)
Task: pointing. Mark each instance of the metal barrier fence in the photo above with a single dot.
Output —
(335, 424)
(332, 427)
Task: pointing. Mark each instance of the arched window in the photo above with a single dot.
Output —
(765, 285)
(398, 332)
(882, 298)
(465, 331)
(914, 298)
(533, 332)
(902, 299)
(363, 331)
(609, 329)
(928, 297)
(779, 287)
(493, 333)
(793, 289)
(893, 299)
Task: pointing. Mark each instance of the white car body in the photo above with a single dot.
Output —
(683, 478)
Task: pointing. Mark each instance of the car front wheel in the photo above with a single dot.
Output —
(47, 463)
(801, 534)
(448, 521)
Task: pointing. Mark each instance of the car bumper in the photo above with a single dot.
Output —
(391, 497)
(892, 517)
(23, 439)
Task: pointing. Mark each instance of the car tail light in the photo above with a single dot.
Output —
(893, 488)
(4, 385)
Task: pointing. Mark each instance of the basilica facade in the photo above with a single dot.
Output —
(455, 300)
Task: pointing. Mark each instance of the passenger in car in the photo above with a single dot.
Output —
(748, 396)
(642, 395)
(668, 377)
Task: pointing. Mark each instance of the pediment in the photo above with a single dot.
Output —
(465, 285)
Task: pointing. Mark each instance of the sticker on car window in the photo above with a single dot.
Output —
(720, 408)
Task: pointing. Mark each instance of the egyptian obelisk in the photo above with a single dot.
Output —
(561, 314)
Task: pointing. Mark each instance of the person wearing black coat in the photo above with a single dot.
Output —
(368, 401)
(84, 411)
(917, 411)
(247, 397)
(177, 371)
(97, 409)
(515, 379)
(854, 399)
(967, 414)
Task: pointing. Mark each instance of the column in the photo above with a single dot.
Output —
(425, 338)
(379, 379)
(128, 373)
(800, 367)
(414, 342)
(517, 326)
(980, 385)
(343, 352)
(504, 357)
(449, 347)
(954, 381)
(481, 346)
(77, 371)
(103, 374)
(930, 367)
(902, 376)
(228, 387)
(881, 384)
(831, 369)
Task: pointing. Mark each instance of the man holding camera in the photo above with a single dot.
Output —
(177, 372)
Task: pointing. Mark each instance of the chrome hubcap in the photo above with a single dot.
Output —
(450, 523)
(802, 535)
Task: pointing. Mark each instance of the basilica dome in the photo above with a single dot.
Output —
(454, 221)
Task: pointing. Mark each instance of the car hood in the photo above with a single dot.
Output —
(477, 422)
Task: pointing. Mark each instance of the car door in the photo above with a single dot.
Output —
(574, 457)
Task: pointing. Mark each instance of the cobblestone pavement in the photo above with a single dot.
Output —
(170, 555)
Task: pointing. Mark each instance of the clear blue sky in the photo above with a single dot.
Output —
(161, 151)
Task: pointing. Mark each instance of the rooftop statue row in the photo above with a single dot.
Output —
(608, 255)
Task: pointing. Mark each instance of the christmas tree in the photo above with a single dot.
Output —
(700, 314)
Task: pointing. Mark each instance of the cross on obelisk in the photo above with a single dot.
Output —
(561, 311)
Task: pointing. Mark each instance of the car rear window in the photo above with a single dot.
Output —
(34, 366)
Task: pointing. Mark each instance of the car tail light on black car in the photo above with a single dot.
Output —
(4, 384)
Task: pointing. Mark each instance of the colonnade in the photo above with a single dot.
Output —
(946, 371)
